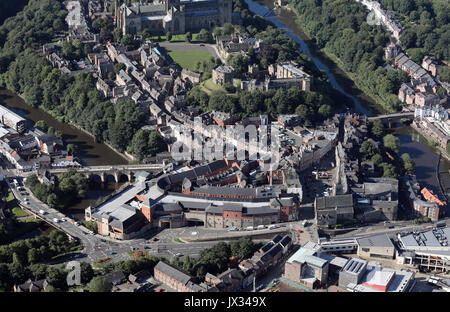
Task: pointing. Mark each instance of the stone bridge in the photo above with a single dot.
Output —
(116, 171)
(389, 118)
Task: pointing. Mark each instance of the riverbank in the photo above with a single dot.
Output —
(124, 155)
(91, 153)
(430, 142)
(285, 20)
(369, 97)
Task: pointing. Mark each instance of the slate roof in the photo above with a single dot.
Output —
(381, 240)
(173, 273)
(115, 278)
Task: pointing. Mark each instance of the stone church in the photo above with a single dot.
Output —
(175, 16)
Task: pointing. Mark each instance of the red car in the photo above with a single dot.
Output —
(160, 289)
(300, 231)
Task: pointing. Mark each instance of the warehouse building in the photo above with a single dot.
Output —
(377, 246)
(12, 120)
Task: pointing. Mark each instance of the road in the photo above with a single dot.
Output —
(96, 246)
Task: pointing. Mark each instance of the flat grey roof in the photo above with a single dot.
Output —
(381, 240)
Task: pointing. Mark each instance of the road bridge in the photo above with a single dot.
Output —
(117, 171)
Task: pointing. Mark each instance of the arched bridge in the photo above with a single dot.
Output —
(114, 170)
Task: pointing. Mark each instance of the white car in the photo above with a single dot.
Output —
(56, 220)
(42, 212)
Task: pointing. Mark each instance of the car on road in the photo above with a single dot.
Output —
(300, 231)
(113, 253)
(146, 247)
(77, 223)
(202, 45)
(178, 254)
(42, 212)
(155, 239)
(160, 289)
(233, 228)
(56, 220)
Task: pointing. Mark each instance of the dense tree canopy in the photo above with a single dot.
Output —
(340, 28)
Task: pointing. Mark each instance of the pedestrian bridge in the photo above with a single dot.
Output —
(389, 118)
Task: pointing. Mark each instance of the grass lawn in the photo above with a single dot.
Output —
(188, 58)
(209, 86)
(18, 212)
(12, 204)
(176, 239)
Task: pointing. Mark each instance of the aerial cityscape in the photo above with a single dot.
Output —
(224, 146)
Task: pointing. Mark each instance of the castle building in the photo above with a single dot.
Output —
(175, 16)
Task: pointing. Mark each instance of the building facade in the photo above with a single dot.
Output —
(173, 16)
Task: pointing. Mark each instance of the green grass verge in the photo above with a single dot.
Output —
(12, 204)
(189, 58)
(19, 212)
(176, 239)
(208, 86)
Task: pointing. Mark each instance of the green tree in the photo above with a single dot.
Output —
(228, 29)
(53, 201)
(377, 128)
(391, 142)
(368, 149)
(243, 248)
(72, 149)
(129, 42)
(389, 171)
(188, 36)
(41, 124)
(204, 36)
(377, 159)
(99, 284)
(87, 273)
(408, 163)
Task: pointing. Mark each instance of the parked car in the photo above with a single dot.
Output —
(42, 212)
(233, 228)
(113, 253)
(56, 220)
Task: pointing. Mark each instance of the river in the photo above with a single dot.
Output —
(425, 157)
(429, 170)
(285, 20)
(90, 152)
